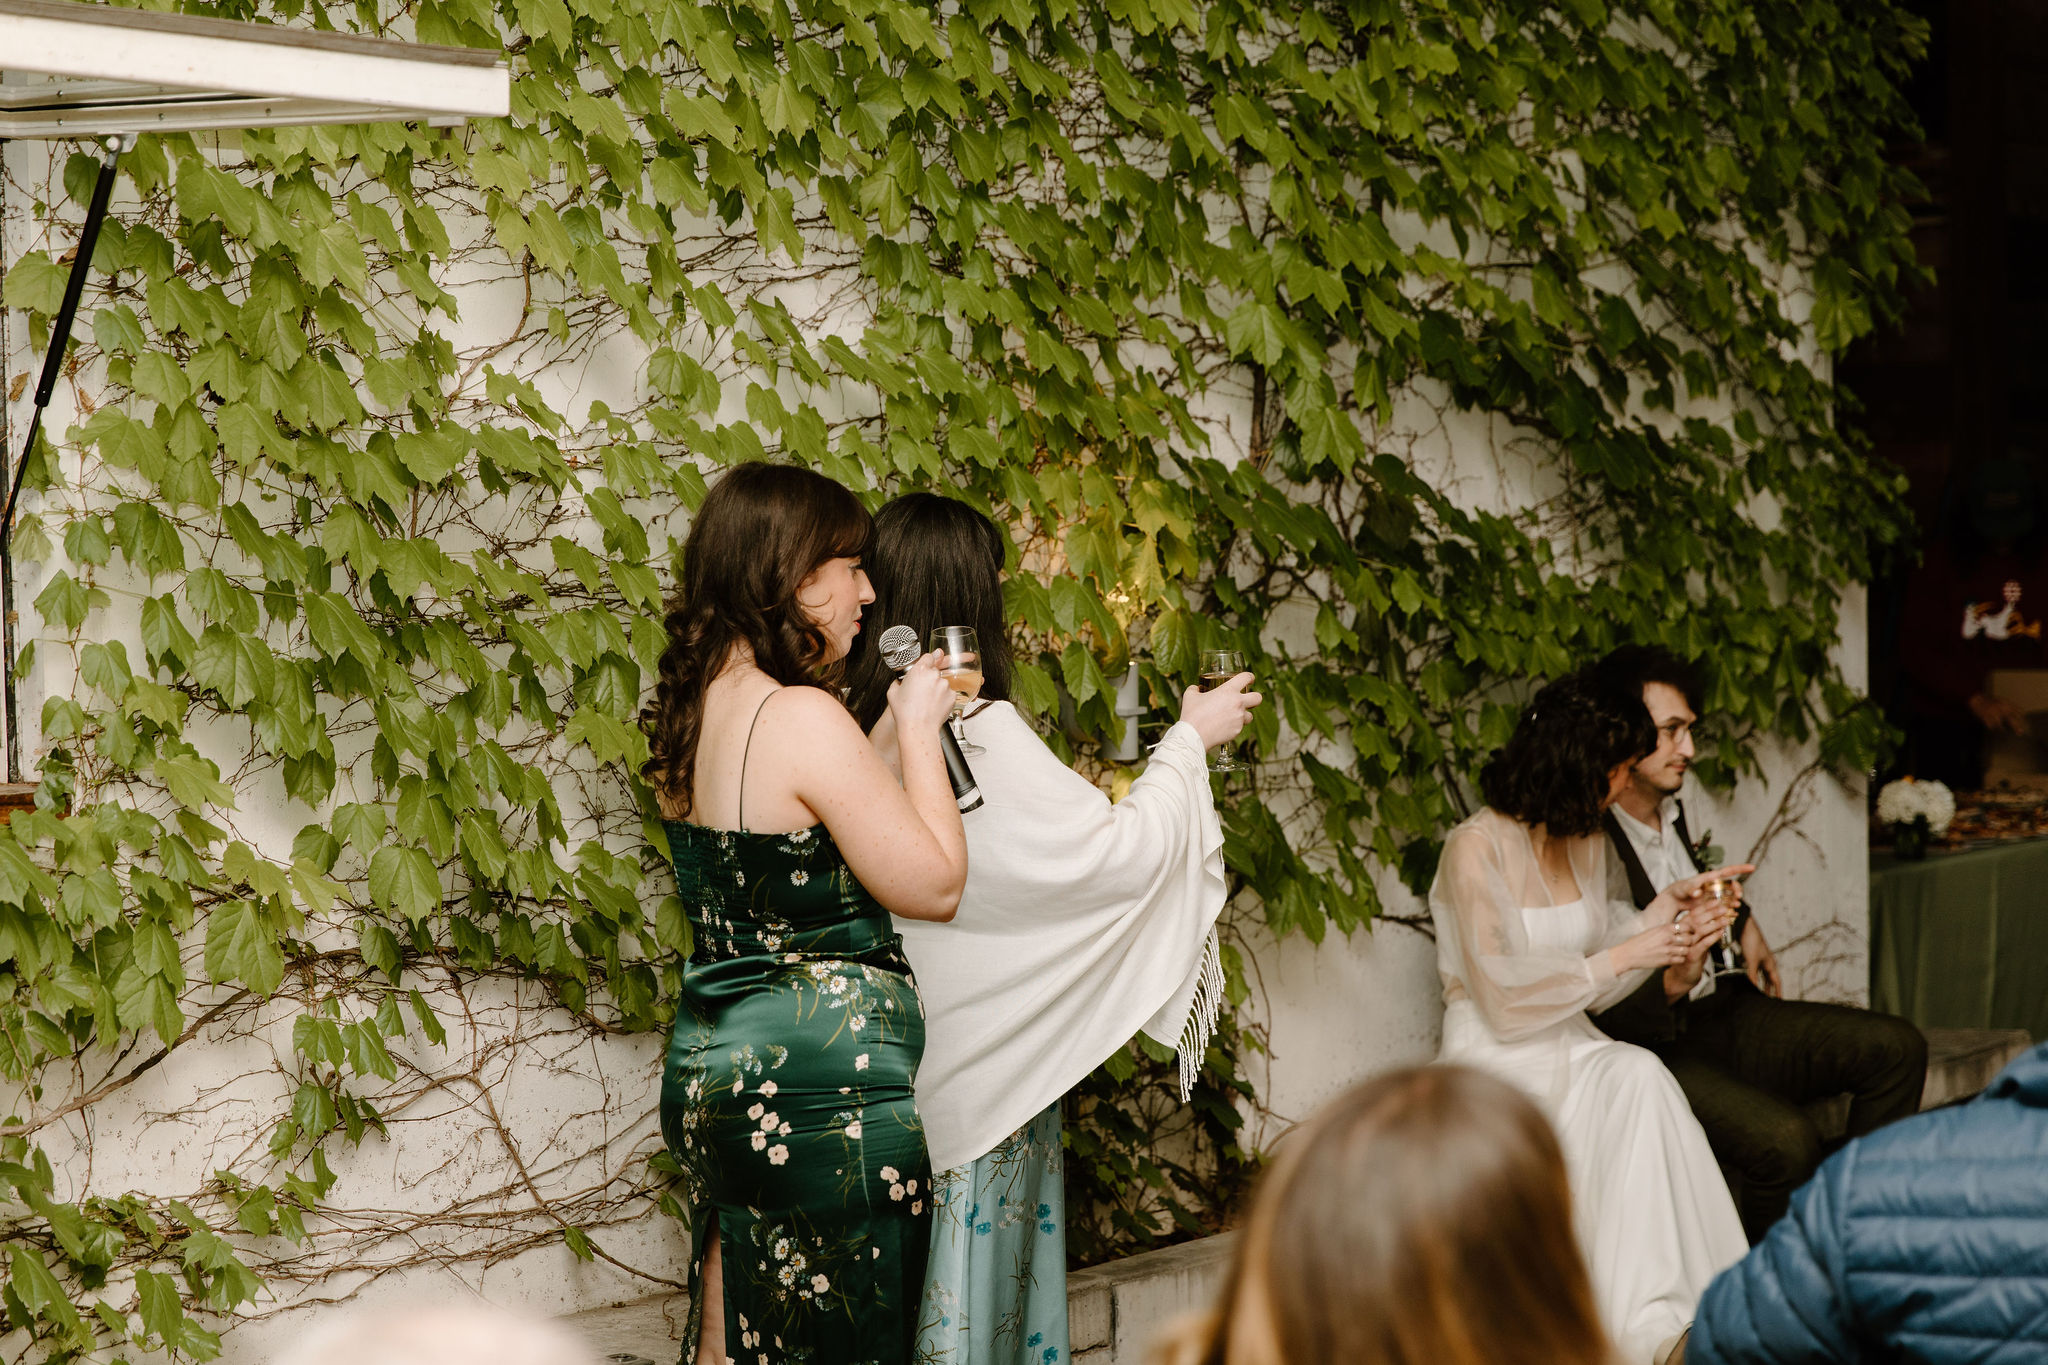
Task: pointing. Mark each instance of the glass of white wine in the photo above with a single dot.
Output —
(1219, 666)
(961, 668)
(1725, 957)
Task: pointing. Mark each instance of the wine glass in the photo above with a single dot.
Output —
(961, 668)
(1219, 666)
(1725, 957)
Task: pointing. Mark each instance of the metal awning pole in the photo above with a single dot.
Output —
(53, 365)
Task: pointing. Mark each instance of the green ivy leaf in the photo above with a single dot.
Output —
(193, 781)
(380, 949)
(241, 945)
(579, 1242)
(31, 1283)
(35, 283)
(403, 880)
(1258, 331)
(65, 602)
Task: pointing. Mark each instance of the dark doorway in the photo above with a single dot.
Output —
(1958, 398)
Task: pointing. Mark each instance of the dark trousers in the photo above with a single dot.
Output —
(1749, 1062)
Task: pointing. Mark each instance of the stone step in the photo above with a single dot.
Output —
(1115, 1310)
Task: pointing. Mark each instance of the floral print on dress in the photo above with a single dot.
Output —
(995, 1291)
(787, 1090)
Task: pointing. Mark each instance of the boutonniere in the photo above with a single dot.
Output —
(1705, 852)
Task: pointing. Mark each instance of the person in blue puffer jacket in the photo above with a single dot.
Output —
(1926, 1242)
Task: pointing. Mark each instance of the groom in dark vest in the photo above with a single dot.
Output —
(1747, 1059)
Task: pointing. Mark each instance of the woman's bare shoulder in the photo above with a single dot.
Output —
(808, 719)
(810, 705)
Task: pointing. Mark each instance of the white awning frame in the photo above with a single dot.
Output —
(76, 70)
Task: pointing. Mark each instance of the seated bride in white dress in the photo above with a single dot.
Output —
(1527, 943)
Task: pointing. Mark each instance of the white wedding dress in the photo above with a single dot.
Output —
(1652, 1212)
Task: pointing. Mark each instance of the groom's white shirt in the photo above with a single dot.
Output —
(1665, 859)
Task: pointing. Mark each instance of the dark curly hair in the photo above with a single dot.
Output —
(1631, 668)
(933, 562)
(1553, 770)
(761, 531)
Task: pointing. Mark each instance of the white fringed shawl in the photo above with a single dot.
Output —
(1082, 924)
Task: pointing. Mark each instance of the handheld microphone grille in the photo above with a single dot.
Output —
(899, 650)
(899, 647)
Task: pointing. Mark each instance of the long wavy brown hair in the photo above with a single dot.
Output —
(1422, 1218)
(761, 531)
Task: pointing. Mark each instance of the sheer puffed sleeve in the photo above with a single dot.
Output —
(1483, 950)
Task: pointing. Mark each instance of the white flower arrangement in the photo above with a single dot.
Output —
(1906, 800)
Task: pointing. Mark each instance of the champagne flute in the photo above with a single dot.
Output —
(961, 668)
(1219, 666)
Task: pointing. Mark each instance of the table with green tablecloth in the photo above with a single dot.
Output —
(1960, 940)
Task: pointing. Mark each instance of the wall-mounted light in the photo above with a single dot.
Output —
(1130, 705)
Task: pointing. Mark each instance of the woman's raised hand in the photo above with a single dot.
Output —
(1707, 919)
(1689, 893)
(921, 700)
(1219, 714)
(1663, 946)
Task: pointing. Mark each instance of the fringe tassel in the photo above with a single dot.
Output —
(1201, 1024)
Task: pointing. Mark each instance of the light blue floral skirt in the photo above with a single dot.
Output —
(996, 1289)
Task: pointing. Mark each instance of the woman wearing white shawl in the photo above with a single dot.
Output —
(1527, 942)
(1082, 924)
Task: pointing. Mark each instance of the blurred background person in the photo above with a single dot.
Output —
(1421, 1218)
(472, 1333)
(786, 1098)
(1082, 923)
(1975, 604)
(1924, 1242)
(1527, 943)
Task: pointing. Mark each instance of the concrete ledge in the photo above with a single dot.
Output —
(647, 1329)
(1114, 1310)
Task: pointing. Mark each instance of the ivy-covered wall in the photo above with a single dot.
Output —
(336, 948)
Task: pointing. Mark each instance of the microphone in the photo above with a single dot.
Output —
(898, 646)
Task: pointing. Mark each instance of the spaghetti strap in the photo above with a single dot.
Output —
(741, 813)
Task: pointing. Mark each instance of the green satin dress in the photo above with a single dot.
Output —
(787, 1101)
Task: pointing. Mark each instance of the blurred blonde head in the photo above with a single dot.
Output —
(471, 1333)
(1422, 1218)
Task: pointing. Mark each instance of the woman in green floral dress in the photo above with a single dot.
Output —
(786, 1098)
